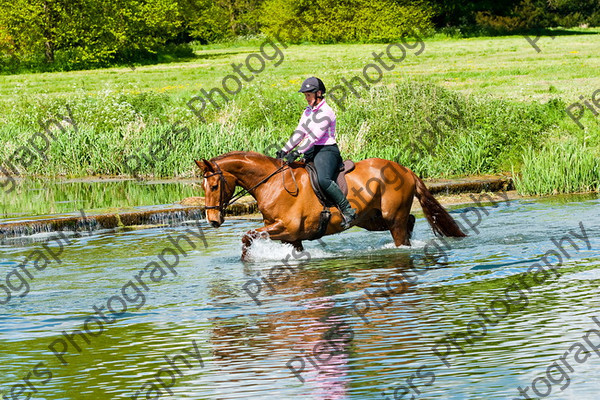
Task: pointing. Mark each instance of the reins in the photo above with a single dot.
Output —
(222, 206)
(295, 183)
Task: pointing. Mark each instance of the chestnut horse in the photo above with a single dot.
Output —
(382, 191)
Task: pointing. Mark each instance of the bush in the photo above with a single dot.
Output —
(328, 21)
(531, 15)
(47, 36)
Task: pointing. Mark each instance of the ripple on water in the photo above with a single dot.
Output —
(245, 346)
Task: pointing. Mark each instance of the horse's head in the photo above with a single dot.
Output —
(219, 187)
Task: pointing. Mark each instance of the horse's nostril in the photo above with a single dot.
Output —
(214, 224)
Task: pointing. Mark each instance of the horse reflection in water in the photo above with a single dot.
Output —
(313, 342)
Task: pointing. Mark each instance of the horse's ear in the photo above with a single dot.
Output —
(205, 166)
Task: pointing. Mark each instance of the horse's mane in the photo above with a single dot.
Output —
(250, 154)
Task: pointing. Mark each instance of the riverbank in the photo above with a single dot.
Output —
(460, 107)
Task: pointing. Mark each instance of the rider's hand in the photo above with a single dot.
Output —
(292, 156)
(280, 154)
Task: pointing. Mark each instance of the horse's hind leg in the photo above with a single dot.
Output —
(401, 229)
(400, 235)
(410, 225)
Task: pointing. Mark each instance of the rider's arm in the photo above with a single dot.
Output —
(312, 129)
(294, 140)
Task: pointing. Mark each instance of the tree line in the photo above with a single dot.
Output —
(74, 34)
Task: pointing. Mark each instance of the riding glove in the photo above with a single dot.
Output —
(292, 156)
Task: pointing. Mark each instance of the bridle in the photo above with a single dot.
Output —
(221, 207)
(223, 184)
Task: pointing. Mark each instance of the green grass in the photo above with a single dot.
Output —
(561, 168)
(505, 67)
(512, 100)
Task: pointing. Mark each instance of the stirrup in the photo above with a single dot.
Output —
(348, 219)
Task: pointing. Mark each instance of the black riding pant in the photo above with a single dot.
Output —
(327, 161)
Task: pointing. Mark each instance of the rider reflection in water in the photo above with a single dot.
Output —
(315, 136)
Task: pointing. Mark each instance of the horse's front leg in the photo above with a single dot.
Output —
(272, 230)
(297, 244)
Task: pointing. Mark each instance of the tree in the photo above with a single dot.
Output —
(515, 14)
(88, 32)
(210, 20)
(33, 25)
(205, 20)
(343, 20)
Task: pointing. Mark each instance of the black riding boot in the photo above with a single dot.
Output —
(337, 196)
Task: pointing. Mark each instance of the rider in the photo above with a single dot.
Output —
(316, 136)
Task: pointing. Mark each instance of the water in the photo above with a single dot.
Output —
(42, 196)
(244, 347)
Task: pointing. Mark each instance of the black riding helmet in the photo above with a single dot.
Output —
(313, 85)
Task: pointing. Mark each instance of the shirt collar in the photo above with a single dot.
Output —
(317, 107)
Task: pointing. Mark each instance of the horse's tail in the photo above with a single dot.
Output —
(441, 222)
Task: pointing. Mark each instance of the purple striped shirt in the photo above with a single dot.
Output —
(316, 127)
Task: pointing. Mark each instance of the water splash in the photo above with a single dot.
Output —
(270, 250)
(274, 250)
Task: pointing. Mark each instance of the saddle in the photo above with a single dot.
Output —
(340, 179)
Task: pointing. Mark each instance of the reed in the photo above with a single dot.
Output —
(118, 132)
(567, 167)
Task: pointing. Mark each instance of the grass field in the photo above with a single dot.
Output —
(512, 102)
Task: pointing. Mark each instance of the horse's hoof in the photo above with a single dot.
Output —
(252, 235)
(245, 253)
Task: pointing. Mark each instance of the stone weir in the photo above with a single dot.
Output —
(471, 184)
(39, 227)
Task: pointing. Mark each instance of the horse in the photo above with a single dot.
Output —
(382, 191)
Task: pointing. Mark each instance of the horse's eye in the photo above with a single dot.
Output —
(214, 187)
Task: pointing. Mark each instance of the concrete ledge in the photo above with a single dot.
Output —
(168, 215)
(193, 208)
(478, 184)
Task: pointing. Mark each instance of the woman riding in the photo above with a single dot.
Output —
(315, 138)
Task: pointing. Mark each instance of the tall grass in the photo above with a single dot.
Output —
(118, 131)
(566, 167)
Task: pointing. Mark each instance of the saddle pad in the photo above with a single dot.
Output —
(340, 179)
